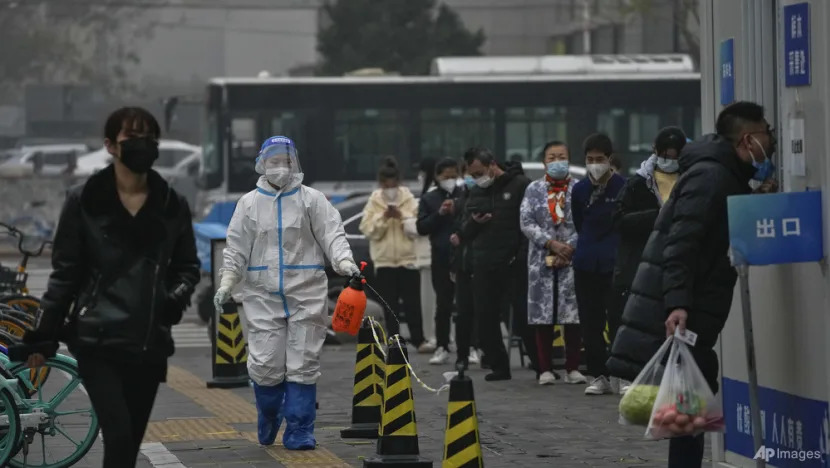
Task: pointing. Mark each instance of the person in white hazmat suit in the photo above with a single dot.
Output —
(277, 242)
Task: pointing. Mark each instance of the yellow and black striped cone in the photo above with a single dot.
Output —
(398, 440)
(462, 445)
(368, 387)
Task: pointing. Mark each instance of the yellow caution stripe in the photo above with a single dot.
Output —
(230, 342)
(462, 448)
(398, 417)
(368, 377)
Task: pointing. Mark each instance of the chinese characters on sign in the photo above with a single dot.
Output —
(727, 73)
(788, 423)
(797, 44)
(765, 228)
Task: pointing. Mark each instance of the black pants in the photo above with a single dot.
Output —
(444, 292)
(492, 291)
(592, 295)
(122, 395)
(402, 284)
(466, 322)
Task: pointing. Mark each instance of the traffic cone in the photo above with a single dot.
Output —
(398, 439)
(462, 445)
(368, 387)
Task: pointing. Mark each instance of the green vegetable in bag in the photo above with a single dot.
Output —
(637, 403)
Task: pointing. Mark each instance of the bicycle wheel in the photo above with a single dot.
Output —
(10, 430)
(70, 426)
(30, 305)
(11, 332)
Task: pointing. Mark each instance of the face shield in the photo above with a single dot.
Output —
(278, 161)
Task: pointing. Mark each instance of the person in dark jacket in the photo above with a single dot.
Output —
(124, 267)
(593, 202)
(436, 218)
(685, 278)
(491, 227)
(638, 204)
(466, 330)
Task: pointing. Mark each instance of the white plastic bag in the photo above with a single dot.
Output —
(685, 405)
(637, 405)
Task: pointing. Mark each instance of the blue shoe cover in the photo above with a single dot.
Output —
(269, 402)
(300, 411)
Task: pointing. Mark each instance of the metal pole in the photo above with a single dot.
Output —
(754, 406)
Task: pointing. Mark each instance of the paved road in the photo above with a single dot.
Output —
(521, 423)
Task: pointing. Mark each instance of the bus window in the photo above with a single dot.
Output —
(527, 130)
(244, 149)
(449, 132)
(364, 137)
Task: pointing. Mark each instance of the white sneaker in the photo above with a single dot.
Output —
(624, 386)
(547, 378)
(426, 347)
(599, 386)
(575, 377)
(441, 356)
(474, 358)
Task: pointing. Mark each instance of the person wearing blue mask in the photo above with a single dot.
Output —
(466, 332)
(638, 205)
(685, 279)
(547, 221)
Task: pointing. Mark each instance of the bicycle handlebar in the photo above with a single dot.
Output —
(21, 237)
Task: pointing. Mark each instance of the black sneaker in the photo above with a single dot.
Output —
(496, 376)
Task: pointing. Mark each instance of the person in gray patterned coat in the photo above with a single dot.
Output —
(547, 221)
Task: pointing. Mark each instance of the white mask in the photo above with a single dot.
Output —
(459, 182)
(598, 171)
(484, 181)
(390, 194)
(449, 185)
(278, 176)
(669, 166)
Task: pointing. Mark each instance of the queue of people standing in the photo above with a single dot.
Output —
(541, 253)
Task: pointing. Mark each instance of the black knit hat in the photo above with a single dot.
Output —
(669, 138)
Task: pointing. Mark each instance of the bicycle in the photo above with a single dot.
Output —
(24, 417)
(14, 291)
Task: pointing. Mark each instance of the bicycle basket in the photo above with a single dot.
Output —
(12, 280)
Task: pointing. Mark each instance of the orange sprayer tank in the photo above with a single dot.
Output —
(351, 305)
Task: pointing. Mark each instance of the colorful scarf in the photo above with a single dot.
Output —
(557, 193)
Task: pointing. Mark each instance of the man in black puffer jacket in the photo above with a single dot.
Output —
(497, 248)
(685, 277)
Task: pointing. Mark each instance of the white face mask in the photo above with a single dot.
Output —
(459, 182)
(484, 181)
(669, 166)
(598, 171)
(390, 194)
(278, 176)
(449, 185)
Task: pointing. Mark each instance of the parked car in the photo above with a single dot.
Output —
(44, 159)
(175, 157)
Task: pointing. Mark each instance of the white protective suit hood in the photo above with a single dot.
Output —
(278, 240)
(278, 157)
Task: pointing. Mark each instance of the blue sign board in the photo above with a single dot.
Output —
(727, 72)
(797, 44)
(796, 430)
(775, 228)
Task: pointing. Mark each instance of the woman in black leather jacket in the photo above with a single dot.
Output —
(124, 267)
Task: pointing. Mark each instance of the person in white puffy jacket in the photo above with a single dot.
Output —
(277, 242)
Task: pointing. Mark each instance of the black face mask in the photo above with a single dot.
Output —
(139, 154)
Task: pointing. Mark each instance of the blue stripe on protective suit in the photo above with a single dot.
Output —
(269, 403)
(300, 412)
(283, 266)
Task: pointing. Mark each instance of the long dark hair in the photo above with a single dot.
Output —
(427, 166)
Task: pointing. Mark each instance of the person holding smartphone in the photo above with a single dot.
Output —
(393, 250)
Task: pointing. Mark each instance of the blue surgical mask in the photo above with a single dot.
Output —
(469, 181)
(669, 166)
(558, 170)
(764, 169)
